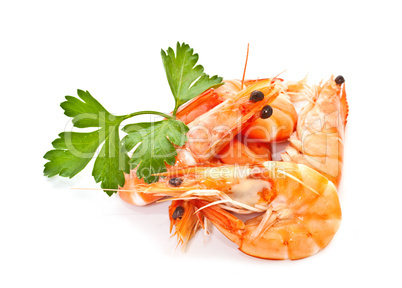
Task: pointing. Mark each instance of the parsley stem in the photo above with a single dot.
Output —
(148, 112)
(176, 106)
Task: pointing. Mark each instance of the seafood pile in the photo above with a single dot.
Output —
(225, 168)
(213, 156)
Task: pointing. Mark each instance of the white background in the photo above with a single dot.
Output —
(53, 236)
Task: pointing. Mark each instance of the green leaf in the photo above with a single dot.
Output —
(111, 163)
(73, 150)
(155, 147)
(72, 153)
(86, 113)
(185, 79)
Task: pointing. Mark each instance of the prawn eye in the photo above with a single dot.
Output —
(256, 96)
(175, 182)
(266, 112)
(178, 212)
(339, 80)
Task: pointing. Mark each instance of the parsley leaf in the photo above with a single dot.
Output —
(156, 145)
(111, 163)
(72, 153)
(185, 80)
(73, 150)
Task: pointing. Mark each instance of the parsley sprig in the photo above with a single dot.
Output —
(152, 142)
(185, 80)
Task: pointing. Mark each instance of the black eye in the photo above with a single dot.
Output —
(256, 96)
(266, 112)
(178, 212)
(339, 80)
(175, 182)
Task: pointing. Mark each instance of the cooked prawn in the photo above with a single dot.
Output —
(300, 207)
(277, 128)
(211, 131)
(318, 139)
(281, 124)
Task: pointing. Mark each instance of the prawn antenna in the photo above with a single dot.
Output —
(100, 189)
(279, 74)
(245, 66)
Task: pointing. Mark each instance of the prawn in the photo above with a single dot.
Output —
(318, 139)
(299, 209)
(276, 128)
(282, 123)
(210, 132)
